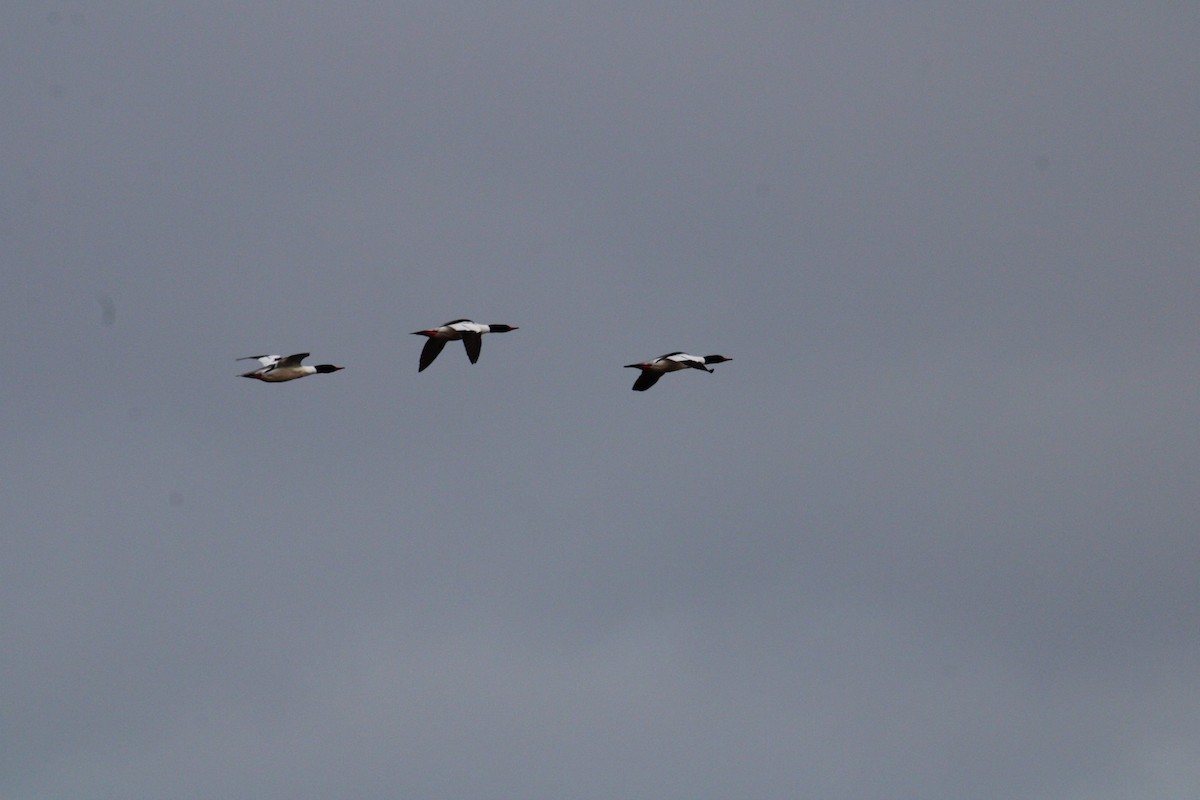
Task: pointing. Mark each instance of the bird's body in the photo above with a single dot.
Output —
(470, 333)
(276, 369)
(671, 362)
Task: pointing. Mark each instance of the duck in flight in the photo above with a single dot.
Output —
(471, 334)
(276, 369)
(671, 362)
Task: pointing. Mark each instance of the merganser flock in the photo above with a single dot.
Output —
(277, 369)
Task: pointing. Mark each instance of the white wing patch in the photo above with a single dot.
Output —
(266, 361)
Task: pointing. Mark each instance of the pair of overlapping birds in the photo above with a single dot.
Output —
(276, 369)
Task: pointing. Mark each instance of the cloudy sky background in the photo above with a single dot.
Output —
(933, 533)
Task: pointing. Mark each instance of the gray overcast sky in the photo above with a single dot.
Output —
(933, 533)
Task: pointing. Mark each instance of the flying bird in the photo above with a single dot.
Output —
(671, 362)
(471, 334)
(276, 369)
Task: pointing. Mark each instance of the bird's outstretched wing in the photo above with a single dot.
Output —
(646, 380)
(430, 351)
(266, 361)
(473, 341)
(292, 360)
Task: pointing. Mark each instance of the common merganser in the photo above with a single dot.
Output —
(471, 334)
(276, 369)
(671, 362)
